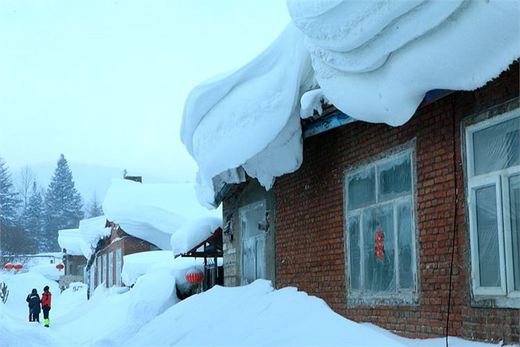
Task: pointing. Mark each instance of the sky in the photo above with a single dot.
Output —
(104, 82)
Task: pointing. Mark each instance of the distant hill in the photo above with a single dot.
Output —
(89, 179)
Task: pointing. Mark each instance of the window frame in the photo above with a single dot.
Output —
(359, 296)
(500, 179)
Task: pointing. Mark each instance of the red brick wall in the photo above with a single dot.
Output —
(310, 224)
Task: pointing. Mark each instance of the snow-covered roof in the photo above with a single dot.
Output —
(193, 233)
(152, 212)
(92, 230)
(70, 239)
(374, 60)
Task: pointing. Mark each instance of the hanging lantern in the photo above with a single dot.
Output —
(60, 267)
(18, 267)
(194, 276)
(8, 266)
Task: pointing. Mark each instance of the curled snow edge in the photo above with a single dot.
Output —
(374, 60)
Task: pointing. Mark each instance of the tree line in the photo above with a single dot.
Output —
(31, 216)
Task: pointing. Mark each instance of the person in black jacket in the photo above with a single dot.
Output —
(33, 300)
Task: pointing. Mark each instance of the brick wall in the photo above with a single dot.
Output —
(310, 218)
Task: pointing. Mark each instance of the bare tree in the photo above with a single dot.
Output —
(25, 183)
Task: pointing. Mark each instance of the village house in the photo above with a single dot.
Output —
(414, 227)
(74, 261)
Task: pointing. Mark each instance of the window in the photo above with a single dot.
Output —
(493, 158)
(253, 241)
(105, 267)
(99, 260)
(110, 269)
(380, 224)
(119, 266)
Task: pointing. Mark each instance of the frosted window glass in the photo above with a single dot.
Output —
(110, 269)
(514, 195)
(361, 189)
(119, 266)
(105, 267)
(253, 242)
(260, 255)
(404, 227)
(248, 260)
(497, 147)
(487, 235)
(395, 178)
(379, 273)
(355, 253)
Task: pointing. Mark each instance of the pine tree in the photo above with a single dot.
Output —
(8, 197)
(33, 217)
(94, 209)
(63, 206)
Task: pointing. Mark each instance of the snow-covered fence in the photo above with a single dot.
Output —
(4, 292)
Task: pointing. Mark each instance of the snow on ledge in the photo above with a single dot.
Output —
(193, 233)
(374, 60)
(71, 241)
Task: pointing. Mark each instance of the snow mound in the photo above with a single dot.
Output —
(49, 271)
(261, 316)
(152, 212)
(374, 60)
(138, 264)
(193, 233)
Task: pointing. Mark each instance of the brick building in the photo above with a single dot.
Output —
(107, 261)
(378, 220)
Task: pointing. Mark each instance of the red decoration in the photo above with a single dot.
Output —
(60, 267)
(194, 276)
(18, 267)
(8, 266)
(379, 246)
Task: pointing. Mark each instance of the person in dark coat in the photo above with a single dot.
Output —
(46, 305)
(33, 300)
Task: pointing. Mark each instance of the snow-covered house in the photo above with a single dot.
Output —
(393, 132)
(145, 217)
(74, 261)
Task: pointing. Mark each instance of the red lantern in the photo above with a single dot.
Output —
(194, 276)
(60, 267)
(8, 266)
(18, 267)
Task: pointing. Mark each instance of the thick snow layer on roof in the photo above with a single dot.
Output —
(249, 117)
(152, 212)
(71, 241)
(92, 230)
(374, 60)
(193, 233)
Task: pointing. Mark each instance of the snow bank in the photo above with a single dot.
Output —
(92, 230)
(249, 117)
(193, 233)
(70, 240)
(49, 271)
(152, 212)
(374, 60)
(138, 264)
(258, 316)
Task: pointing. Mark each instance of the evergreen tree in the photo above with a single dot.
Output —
(33, 217)
(94, 209)
(8, 197)
(63, 206)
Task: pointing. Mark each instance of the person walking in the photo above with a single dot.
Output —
(46, 305)
(33, 301)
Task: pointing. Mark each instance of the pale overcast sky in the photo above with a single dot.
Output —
(104, 82)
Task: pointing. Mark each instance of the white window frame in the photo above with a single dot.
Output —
(405, 295)
(500, 179)
(241, 212)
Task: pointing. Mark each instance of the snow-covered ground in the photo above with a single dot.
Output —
(150, 314)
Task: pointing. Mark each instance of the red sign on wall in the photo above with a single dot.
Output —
(379, 244)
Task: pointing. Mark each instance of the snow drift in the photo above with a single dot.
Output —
(374, 60)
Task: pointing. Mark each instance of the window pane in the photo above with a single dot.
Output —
(248, 260)
(362, 189)
(497, 147)
(355, 253)
(260, 257)
(379, 273)
(487, 236)
(514, 196)
(404, 227)
(395, 178)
